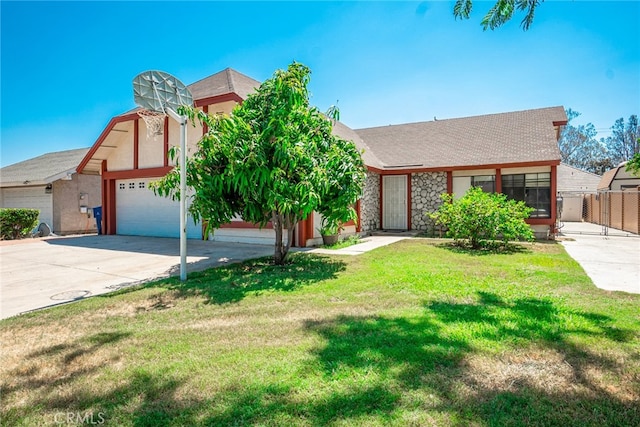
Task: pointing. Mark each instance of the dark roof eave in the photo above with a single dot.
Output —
(388, 170)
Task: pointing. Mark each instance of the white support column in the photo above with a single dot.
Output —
(183, 191)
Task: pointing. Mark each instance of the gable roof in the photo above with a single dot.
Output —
(619, 175)
(345, 132)
(217, 87)
(574, 179)
(225, 82)
(226, 85)
(607, 179)
(43, 169)
(493, 139)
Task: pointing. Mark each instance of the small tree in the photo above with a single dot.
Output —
(633, 165)
(479, 217)
(274, 158)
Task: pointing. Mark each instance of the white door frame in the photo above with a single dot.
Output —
(395, 197)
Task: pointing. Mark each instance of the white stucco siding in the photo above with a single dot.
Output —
(265, 236)
(535, 169)
(474, 172)
(222, 107)
(194, 134)
(120, 158)
(150, 149)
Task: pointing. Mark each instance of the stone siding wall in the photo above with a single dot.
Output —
(370, 203)
(425, 197)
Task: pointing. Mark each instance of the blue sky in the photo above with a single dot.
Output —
(67, 67)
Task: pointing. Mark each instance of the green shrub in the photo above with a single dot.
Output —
(17, 223)
(480, 217)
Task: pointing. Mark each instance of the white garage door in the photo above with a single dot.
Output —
(139, 212)
(32, 198)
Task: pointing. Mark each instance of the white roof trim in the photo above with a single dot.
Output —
(45, 181)
(60, 175)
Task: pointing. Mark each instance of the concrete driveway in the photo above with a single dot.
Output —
(612, 261)
(39, 273)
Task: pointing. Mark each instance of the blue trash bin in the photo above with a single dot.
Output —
(97, 214)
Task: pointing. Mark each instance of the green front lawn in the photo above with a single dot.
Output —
(415, 333)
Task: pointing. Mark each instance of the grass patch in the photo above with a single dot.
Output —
(345, 243)
(410, 334)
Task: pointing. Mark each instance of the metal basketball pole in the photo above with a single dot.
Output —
(183, 190)
(161, 92)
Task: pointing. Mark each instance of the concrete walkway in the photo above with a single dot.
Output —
(612, 261)
(38, 273)
(368, 243)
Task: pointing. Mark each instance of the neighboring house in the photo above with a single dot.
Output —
(617, 204)
(618, 179)
(574, 180)
(50, 184)
(573, 185)
(409, 166)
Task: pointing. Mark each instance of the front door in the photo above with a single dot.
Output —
(394, 202)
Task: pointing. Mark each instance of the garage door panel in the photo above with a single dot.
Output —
(139, 212)
(30, 198)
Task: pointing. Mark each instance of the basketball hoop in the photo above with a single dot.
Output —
(159, 94)
(154, 121)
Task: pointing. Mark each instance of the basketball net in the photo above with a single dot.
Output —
(154, 121)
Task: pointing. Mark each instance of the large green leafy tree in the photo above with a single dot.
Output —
(623, 143)
(580, 148)
(500, 13)
(274, 159)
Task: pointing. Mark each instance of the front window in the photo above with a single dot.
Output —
(532, 188)
(486, 182)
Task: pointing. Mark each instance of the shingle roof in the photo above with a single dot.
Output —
(225, 82)
(222, 83)
(515, 137)
(43, 169)
(345, 132)
(609, 176)
(573, 179)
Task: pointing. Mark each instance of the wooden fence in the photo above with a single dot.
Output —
(615, 209)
